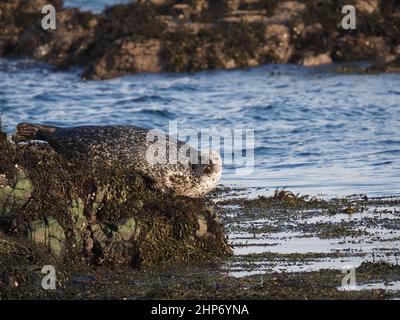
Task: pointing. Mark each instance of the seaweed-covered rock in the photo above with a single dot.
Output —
(127, 229)
(50, 234)
(315, 60)
(288, 10)
(105, 215)
(278, 48)
(126, 56)
(153, 36)
(14, 193)
(367, 6)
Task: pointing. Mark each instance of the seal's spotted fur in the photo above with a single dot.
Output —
(127, 146)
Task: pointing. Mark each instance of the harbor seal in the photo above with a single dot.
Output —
(193, 174)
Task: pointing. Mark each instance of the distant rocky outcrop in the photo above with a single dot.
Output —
(187, 35)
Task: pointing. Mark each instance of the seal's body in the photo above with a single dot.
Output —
(170, 164)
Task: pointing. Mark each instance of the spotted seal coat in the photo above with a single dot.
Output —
(130, 147)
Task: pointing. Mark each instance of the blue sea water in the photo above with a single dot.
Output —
(93, 5)
(316, 131)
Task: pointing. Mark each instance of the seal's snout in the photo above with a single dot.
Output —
(209, 172)
(210, 164)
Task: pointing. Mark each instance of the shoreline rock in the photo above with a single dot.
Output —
(185, 36)
(101, 216)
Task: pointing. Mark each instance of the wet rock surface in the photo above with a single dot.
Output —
(154, 36)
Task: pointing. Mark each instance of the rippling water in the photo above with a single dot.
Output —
(315, 131)
(95, 6)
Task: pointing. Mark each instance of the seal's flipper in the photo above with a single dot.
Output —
(28, 131)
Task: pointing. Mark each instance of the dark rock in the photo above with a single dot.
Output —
(350, 48)
(15, 193)
(367, 6)
(310, 59)
(127, 229)
(83, 281)
(49, 234)
(391, 66)
(286, 11)
(278, 47)
(127, 56)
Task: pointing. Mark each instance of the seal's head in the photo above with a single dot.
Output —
(209, 171)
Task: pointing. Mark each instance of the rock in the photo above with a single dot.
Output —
(182, 11)
(311, 60)
(233, 4)
(42, 51)
(311, 38)
(288, 10)
(378, 49)
(202, 230)
(156, 2)
(135, 37)
(74, 34)
(100, 238)
(128, 229)
(49, 234)
(17, 195)
(23, 188)
(138, 204)
(35, 6)
(253, 16)
(76, 210)
(82, 281)
(362, 47)
(278, 48)
(115, 237)
(228, 64)
(58, 226)
(120, 254)
(88, 242)
(367, 6)
(146, 55)
(254, 5)
(127, 56)
(9, 32)
(56, 235)
(200, 6)
(392, 66)
(5, 195)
